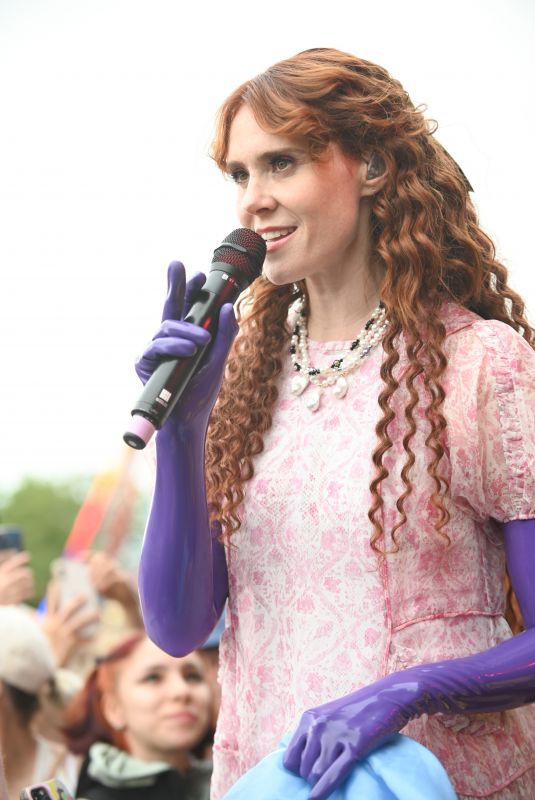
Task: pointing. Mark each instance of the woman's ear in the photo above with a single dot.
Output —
(375, 174)
(113, 711)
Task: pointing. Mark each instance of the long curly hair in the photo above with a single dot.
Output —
(426, 236)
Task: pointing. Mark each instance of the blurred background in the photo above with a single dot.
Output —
(106, 118)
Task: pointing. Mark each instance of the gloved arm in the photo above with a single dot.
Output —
(183, 579)
(332, 737)
(519, 548)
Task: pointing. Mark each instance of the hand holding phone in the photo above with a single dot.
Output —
(49, 790)
(76, 595)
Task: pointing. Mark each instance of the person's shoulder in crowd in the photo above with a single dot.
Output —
(109, 773)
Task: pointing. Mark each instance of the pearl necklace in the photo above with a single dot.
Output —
(335, 374)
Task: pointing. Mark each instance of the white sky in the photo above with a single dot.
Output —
(106, 111)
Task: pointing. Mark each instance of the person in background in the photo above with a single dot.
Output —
(28, 669)
(356, 476)
(138, 722)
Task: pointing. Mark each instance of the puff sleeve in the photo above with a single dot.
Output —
(490, 409)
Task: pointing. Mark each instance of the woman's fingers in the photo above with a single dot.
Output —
(211, 373)
(175, 339)
(309, 757)
(333, 776)
(176, 284)
(193, 286)
(180, 294)
(294, 752)
(226, 333)
(178, 329)
(176, 346)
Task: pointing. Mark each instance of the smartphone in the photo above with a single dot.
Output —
(72, 576)
(10, 541)
(49, 790)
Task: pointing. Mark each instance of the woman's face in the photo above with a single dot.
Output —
(308, 211)
(162, 704)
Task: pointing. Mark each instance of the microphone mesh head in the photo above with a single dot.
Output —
(247, 265)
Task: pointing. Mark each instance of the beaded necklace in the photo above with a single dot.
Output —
(335, 374)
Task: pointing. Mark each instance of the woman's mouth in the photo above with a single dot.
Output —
(275, 237)
(185, 717)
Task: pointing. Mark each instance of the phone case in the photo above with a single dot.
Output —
(10, 541)
(49, 790)
(72, 576)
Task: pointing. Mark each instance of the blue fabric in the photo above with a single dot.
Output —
(401, 769)
(215, 636)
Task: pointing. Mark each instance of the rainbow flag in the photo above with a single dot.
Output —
(106, 503)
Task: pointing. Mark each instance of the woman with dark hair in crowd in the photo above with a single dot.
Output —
(139, 720)
(369, 466)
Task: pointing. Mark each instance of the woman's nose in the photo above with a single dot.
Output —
(178, 687)
(257, 197)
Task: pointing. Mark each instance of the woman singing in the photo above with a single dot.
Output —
(355, 469)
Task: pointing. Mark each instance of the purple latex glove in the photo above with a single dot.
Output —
(332, 737)
(183, 582)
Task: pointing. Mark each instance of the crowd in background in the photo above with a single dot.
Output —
(87, 698)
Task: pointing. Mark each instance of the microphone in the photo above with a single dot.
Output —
(237, 262)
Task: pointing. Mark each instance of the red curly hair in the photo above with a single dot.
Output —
(425, 233)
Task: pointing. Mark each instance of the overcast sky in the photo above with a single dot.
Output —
(106, 112)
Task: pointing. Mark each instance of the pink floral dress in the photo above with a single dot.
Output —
(315, 614)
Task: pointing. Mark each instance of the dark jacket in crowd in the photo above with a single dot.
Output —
(111, 774)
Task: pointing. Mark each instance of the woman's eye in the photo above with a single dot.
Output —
(193, 677)
(238, 176)
(151, 677)
(281, 163)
